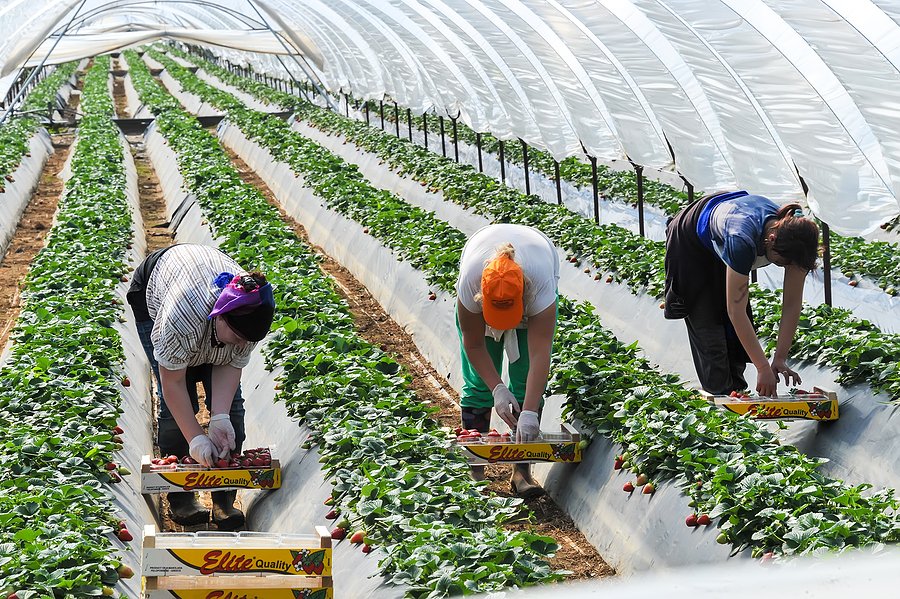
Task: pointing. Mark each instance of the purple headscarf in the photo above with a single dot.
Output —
(242, 292)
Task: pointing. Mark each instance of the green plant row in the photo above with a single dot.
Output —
(394, 472)
(876, 260)
(828, 336)
(59, 389)
(16, 132)
(763, 495)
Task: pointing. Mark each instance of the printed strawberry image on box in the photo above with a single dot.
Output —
(252, 469)
(501, 448)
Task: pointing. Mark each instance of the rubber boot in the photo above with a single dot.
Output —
(186, 509)
(225, 515)
(522, 484)
(477, 473)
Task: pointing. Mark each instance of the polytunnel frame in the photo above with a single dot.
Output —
(119, 5)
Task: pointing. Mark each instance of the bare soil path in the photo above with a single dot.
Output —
(373, 323)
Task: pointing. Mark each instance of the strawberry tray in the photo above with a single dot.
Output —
(245, 564)
(564, 446)
(255, 469)
(820, 404)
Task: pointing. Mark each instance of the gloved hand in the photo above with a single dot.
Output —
(529, 427)
(506, 404)
(203, 450)
(221, 433)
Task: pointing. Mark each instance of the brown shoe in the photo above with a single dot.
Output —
(522, 484)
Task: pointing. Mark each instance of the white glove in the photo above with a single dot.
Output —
(221, 433)
(506, 404)
(203, 450)
(529, 427)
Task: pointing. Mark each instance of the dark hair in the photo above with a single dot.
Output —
(796, 237)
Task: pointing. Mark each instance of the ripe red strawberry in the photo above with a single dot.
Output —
(628, 487)
(222, 463)
(853, 283)
(124, 535)
(366, 549)
(332, 515)
(703, 520)
(691, 520)
(13, 595)
(649, 489)
(432, 296)
(617, 465)
(124, 278)
(338, 533)
(357, 537)
(110, 466)
(609, 279)
(118, 430)
(122, 524)
(126, 382)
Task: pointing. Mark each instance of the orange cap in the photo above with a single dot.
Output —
(502, 288)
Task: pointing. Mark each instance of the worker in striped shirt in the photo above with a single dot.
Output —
(199, 316)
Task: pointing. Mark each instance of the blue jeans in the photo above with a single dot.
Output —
(170, 438)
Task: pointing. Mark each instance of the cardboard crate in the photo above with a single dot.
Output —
(245, 565)
(187, 478)
(821, 405)
(551, 447)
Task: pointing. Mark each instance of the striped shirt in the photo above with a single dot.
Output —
(180, 296)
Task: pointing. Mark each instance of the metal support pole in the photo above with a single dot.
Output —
(525, 165)
(425, 127)
(367, 112)
(826, 261)
(595, 189)
(397, 119)
(455, 141)
(347, 105)
(478, 145)
(443, 137)
(639, 173)
(558, 184)
(409, 122)
(381, 112)
(502, 163)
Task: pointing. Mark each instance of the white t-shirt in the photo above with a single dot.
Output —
(535, 253)
(180, 296)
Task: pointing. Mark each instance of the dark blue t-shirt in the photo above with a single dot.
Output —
(733, 230)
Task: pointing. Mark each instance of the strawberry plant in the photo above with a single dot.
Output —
(855, 348)
(59, 398)
(667, 431)
(394, 471)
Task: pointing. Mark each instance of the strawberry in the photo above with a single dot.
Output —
(123, 471)
(366, 548)
(124, 278)
(329, 501)
(110, 466)
(628, 487)
(338, 533)
(853, 283)
(118, 430)
(703, 520)
(332, 515)
(432, 296)
(13, 595)
(122, 524)
(222, 463)
(642, 479)
(649, 489)
(126, 382)
(691, 520)
(124, 535)
(617, 465)
(357, 537)
(107, 591)
(609, 279)
(125, 571)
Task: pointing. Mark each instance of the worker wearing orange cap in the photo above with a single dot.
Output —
(506, 302)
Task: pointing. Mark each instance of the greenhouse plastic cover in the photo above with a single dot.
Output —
(730, 93)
